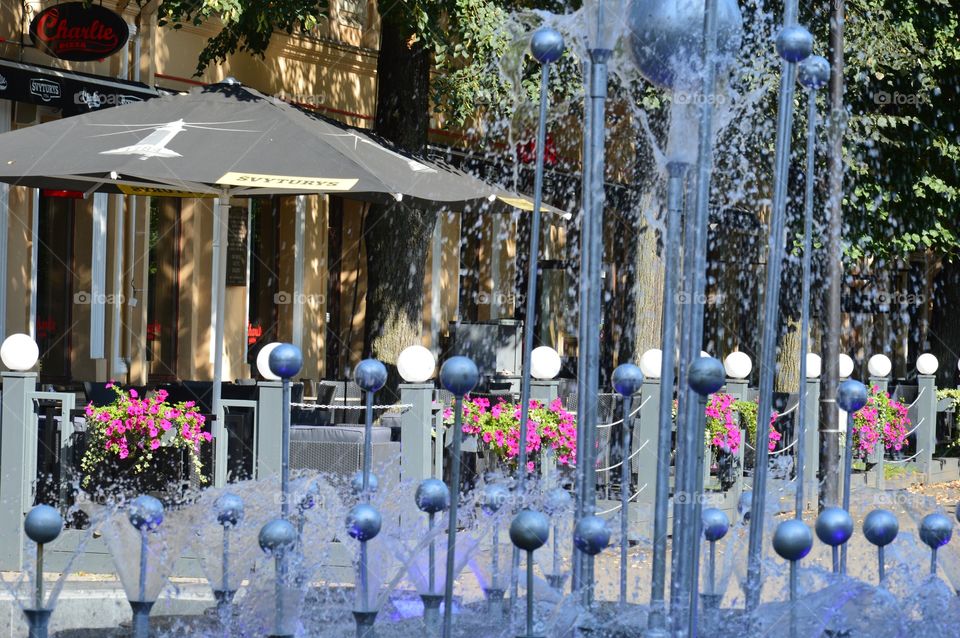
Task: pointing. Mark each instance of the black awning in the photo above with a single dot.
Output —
(71, 91)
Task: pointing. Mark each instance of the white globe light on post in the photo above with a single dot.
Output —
(19, 352)
(738, 365)
(263, 362)
(814, 365)
(416, 364)
(545, 363)
(846, 366)
(879, 366)
(651, 363)
(704, 353)
(927, 364)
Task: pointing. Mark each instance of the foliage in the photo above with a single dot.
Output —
(901, 86)
(247, 26)
(949, 393)
(498, 428)
(132, 429)
(881, 420)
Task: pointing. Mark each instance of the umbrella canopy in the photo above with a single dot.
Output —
(226, 139)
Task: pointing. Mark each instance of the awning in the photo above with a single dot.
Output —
(71, 91)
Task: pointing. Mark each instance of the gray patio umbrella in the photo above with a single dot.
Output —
(228, 140)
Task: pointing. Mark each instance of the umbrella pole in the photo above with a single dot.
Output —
(221, 218)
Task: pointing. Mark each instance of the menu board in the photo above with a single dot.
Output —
(237, 247)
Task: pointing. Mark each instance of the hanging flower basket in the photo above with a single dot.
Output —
(497, 430)
(882, 424)
(136, 445)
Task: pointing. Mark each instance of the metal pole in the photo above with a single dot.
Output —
(142, 588)
(847, 472)
(530, 594)
(833, 252)
(529, 320)
(583, 473)
(590, 350)
(880, 565)
(218, 307)
(656, 621)
(39, 575)
(805, 296)
(452, 524)
(367, 447)
(285, 451)
(696, 520)
(776, 247)
(692, 414)
(624, 498)
(432, 584)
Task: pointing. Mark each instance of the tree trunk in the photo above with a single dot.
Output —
(398, 237)
(648, 285)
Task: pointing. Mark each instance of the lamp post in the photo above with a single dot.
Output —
(416, 366)
(794, 44)
(604, 19)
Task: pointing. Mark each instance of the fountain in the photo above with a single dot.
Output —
(688, 48)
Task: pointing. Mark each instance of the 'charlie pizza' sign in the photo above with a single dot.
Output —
(73, 31)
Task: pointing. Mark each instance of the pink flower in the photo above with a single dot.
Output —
(154, 444)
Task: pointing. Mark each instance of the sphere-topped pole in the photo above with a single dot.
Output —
(881, 528)
(230, 512)
(851, 396)
(42, 525)
(706, 376)
(459, 375)
(716, 524)
(370, 375)
(277, 538)
(814, 73)
(529, 531)
(627, 379)
(546, 46)
(935, 532)
(285, 361)
(146, 515)
(834, 527)
(432, 497)
(495, 496)
(794, 44)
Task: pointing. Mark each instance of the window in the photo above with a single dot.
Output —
(55, 287)
(163, 288)
(264, 274)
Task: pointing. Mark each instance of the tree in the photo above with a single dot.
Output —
(461, 39)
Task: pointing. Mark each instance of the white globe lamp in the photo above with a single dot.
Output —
(927, 364)
(544, 363)
(19, 352)
(814, 365)
(846, 366)
(879, 366)
(651, 363)
(263, 362)
(738, 365)
(416, 364)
